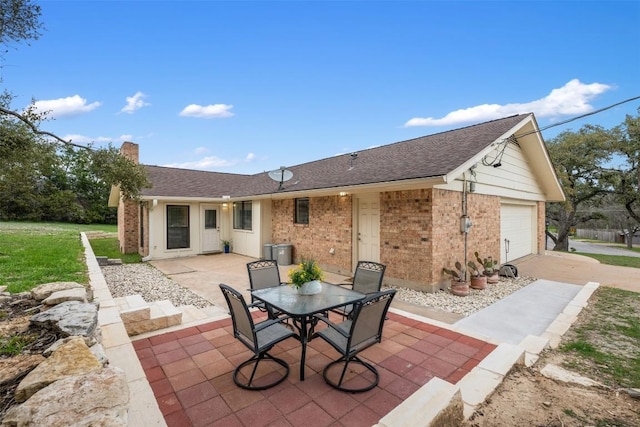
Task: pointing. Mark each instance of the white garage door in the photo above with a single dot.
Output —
(517, 231)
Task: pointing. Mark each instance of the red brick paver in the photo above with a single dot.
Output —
(190, 373)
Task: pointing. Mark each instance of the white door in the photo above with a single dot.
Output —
(368, 228)
(211, 230)
(517, 231)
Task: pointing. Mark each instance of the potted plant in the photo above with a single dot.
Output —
(459, 284)
(306, 277)
(490, 268)
(478, 279)
(227, 245)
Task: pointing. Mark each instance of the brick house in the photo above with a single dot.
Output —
(404, 204)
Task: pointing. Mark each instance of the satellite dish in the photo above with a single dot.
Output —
(280, 175)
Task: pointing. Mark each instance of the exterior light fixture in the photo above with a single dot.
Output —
(342, 193)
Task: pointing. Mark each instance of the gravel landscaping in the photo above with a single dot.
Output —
(153, 285)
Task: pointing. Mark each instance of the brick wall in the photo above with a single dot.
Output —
(128, 213)
(541, 226)
(330, 226)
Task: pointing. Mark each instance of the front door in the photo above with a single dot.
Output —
(211, 230)
(368, 228)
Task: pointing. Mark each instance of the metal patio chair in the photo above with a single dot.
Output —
(259, 338)
(366, 279)
(263, 273)
(349, 337)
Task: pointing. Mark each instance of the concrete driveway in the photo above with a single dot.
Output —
(578, 269)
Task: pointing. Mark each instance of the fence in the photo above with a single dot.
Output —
(613, 236)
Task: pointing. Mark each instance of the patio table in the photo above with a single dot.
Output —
(302, 307)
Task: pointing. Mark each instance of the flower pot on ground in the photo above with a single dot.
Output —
(459, 285)
(490, 268)
(478, 279)
(306, 277)
(226, 244)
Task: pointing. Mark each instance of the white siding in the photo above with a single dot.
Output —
(518, 227)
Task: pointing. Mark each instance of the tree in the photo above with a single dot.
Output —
(45, 176)
(580, 160)
(627, 183)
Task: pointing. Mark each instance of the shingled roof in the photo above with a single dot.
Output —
(420, 158)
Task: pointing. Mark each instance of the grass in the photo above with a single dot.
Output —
(110, 248)
(35, 253)
(621, 261)
(605, 342)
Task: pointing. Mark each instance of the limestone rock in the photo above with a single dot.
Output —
(12, 368)
(559, 374)
(46, 289)
(69, 318)
(75, 294)
(70, 359)
(94, 399)
(89, 341)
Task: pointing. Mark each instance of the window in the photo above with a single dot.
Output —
(177, 227)
(301, 215)
(242, 215)
(210, 219)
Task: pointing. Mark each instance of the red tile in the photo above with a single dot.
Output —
(417, 333)
(402, 387)
(420, 375)
(484, 351)
(178, 367)
(289, 398)
(438, 367)
(239, 398)
(397, 365)
(149, 363)
(169, 403)
(310, 415)
(221, 340)
(207, 357)
(412, 355)
(216, 369)
(214, 325)
(196, 394)
(207, 412)
(446, 333)
(228, 421)
(214, 333)
(382, 402)
(161, 387)
(191, 339)
(154, 374)
(427, 327)
(140, 344)
(462, 348)
(232, 348)
(165, 347)
(438, 340)
(181, 333)
(452, 357)
(187, 379)
(177, 419)
(172, 356)
(161, 339)
(457, 376)
(145, 352)
(223, 383)
(405, 339)
(259, 414)
(313, 386)
(336, 403)
(197, 348)
(360, 416)
(426, 347)
(470, 341)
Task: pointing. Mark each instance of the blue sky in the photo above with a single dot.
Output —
(246, 87)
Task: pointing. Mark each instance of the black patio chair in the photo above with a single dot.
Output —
(366, 279)
(263, 273)
(259, 338)
(362, 330)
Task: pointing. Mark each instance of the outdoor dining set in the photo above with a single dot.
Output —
(349, 318)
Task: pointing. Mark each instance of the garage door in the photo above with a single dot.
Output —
(517, 231)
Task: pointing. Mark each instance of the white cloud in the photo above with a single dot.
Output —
(83, 139)
(571, 99)
(211, 163)
(65, 107)
(135, 103)
(200, 151)
(215, 111)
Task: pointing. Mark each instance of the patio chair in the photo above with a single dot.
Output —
(367, 279)
(259, 338)
(349, 337)
(263, 273)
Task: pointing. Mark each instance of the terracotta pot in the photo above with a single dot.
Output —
(493, 278)
(459, 288)
(478, 282)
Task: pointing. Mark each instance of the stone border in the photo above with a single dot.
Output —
(143, 407)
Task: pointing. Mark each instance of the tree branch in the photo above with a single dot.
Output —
(37, 131)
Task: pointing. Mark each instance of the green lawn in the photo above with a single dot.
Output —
(622, 261)
(35, 253)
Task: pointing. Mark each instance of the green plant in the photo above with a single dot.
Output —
(459, 274)
(226, 242)
(475, 270)
(307, 271)
(488, 263)
(13, 345)
(110, 247)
